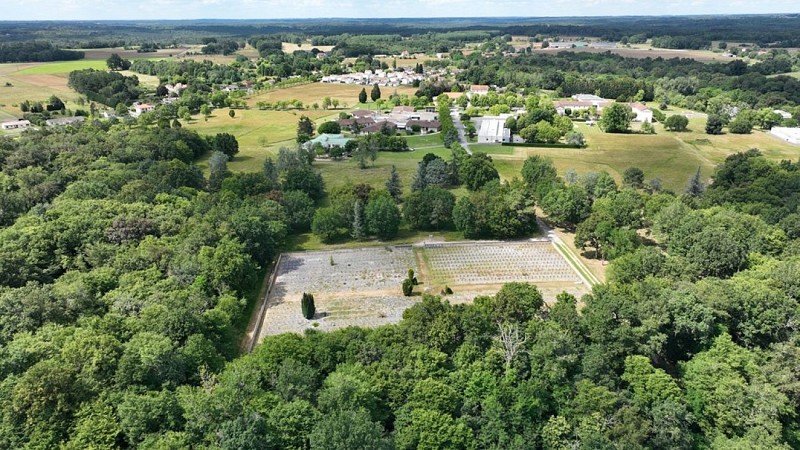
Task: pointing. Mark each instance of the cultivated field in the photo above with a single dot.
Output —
(362, 287)
(315, 92)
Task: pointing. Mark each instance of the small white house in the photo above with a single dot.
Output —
(643, 113)
(783, 114)
(15, 124)
(141, 108)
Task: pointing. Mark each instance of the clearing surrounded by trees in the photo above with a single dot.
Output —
(362, 286)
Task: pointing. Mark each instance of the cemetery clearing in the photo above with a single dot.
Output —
(361, 286)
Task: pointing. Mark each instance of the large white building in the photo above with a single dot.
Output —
(790, 135)
(493, 130)
(15, 125)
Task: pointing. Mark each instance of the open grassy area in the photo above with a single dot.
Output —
(347, 94)
(62, 67)
(424, 140)
(289, 47)
(672, 157)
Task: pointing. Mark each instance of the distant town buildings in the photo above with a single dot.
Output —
(399, 77)
(582, 102)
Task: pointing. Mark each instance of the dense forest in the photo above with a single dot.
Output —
(682, 81)
(14, 52)
(124, 273)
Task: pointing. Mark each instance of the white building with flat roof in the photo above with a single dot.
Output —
(790, 135)
(493, 130)
(15, 124)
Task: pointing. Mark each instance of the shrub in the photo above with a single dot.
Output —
(676, 122)
(408, 287)
(307, 306)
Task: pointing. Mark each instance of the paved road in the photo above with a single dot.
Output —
(462, 136)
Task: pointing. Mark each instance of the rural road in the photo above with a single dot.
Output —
(462, 136)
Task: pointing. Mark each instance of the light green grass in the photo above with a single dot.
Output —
(424, 140)
(672, 157)
(492, 149)
(63, 67)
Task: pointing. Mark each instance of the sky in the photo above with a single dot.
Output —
(282, 9)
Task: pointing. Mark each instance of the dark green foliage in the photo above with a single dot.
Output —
(115, 62)
(429, 209)
(375, 94)
(740, 125)
(539, 175)
(616, 118)
(676, 122)
(382, 218)
(408, 287)
(329, 127)
(497, 211)
(477, 170)
(393, 185)
(109, 88)
(714, 124)
(305, 179)
(695, 186)
(633, 177)
(225, 143)
(307, 306)
(362, 96)
(35, 51)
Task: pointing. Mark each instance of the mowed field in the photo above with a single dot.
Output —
(38, 81)
(673, 157)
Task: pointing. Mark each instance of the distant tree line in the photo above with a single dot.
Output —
(35, 51)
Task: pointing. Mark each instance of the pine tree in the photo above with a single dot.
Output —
(362, 96)
(393, 184)
(376, 93)
(358, 221)
(307, 306)
(695, 187)
(271, 172)
(419, 183)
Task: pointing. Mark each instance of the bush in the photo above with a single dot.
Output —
(307, 306)
(408, 287)
(676, 122)
(714, 124)
(329, 128)
(740, 125)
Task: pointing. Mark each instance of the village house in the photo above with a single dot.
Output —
(64, 121)
(643, 113)
(425, 126)
(141, 108)
(783, 114)
(19, 124)
(478, 89)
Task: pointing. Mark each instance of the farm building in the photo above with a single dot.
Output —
(478, 89)
(790, 135)
(328, 141)
(493, 130)
(63, 121)
(15, 124)
(643, 113)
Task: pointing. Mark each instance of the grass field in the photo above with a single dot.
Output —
(315, 92)
(645, 51)
(672, 157)
(424, 140)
